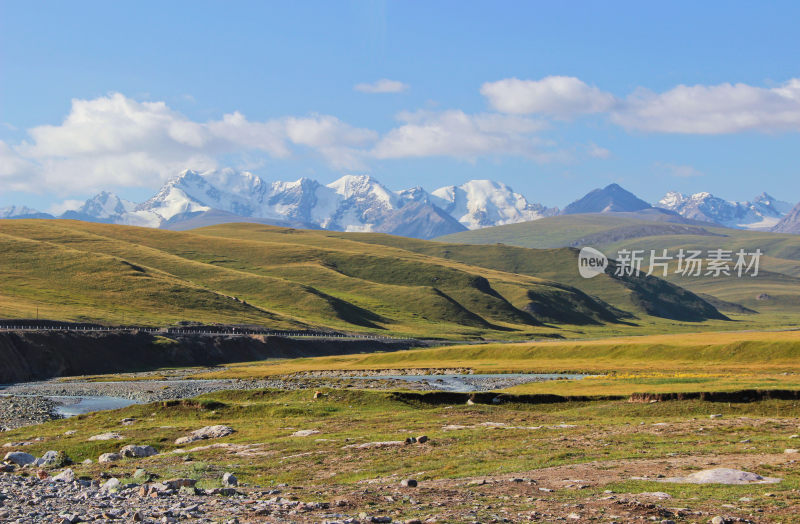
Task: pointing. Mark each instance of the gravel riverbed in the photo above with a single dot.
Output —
(26, 500)
(35, 402)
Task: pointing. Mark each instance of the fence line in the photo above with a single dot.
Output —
(205, 331)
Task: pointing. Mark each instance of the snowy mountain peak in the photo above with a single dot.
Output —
(481, 203)
(106, 205)
(362, 186)
(21, 212)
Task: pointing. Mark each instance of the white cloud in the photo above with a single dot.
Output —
(60, 208)
(596, 151)
(336, 141)
(120, 141)
(679, 171)
(718, 109)
(15, 171)
(557, 96)
(384, 85)
(457, 134)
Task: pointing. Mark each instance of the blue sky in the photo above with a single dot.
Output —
(552, 98)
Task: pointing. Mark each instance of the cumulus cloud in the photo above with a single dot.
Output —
(698, 109)
(384, 85)
(557, 96)
(717, 109)
(121, 141)
(15, 171)
(457, 134)
(336, 141)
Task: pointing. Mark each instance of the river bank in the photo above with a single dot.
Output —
(37, 355)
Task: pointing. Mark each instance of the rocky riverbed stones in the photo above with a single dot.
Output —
(208, 432)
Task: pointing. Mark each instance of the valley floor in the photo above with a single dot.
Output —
(343, 456)
(312, 443)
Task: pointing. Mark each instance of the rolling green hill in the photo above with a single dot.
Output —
(288, 278)
(776, 290)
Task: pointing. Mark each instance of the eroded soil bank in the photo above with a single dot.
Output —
(36, 355)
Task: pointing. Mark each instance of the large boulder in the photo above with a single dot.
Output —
(722, 476)
(229, 480)
(19, 458)
(205, 433)
(53, 459)
(106, 436)
(112, 484)
(109, 457)
(65, 476)
(132, 451)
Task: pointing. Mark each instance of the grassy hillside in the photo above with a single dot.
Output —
(287, 278)
(776, 290)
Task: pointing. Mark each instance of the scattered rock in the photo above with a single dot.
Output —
(65, 476)
(205, 433)
(132, 451)
(716, 415)
(109, 457)
(19, 458)
(305, 433)
(112, 484)
(52, 458)
(106, 436)
(409, 483)
(229, 480)
(722, 476)
(791, 451)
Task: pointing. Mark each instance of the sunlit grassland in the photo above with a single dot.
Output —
(774, 352)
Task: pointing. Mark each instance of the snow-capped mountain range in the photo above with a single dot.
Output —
(361, 203)
(763, 212)
(351, 203)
